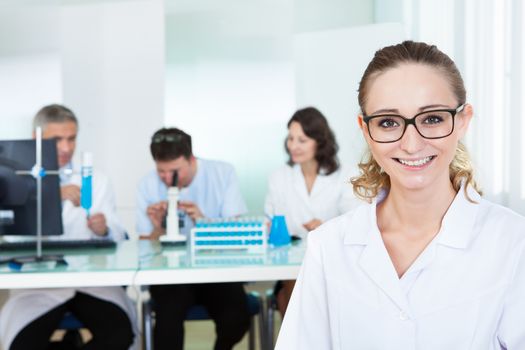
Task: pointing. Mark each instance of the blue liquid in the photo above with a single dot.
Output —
(279, 234)
(86, 189)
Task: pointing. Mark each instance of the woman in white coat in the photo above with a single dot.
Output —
(312, 187)
(30, 316)
(428, 263)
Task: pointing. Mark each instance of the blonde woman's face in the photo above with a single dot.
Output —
(414, 162)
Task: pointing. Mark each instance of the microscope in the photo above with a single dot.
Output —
(172, 221)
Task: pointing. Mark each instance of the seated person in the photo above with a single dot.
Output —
(208, 189)
(312, 187)
(29, 317)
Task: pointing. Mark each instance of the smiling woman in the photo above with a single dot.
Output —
(414, 157)
(312, 187)
(427, 263)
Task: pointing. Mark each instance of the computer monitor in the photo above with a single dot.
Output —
(18, 194)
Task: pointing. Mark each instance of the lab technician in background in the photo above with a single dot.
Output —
(208, 189)
(428, 263)
(312, 187)
(29, 317)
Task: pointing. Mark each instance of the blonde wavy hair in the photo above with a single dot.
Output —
(372, 178)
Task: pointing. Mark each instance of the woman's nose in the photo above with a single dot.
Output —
(412, 141)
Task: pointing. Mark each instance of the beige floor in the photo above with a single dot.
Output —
(201, 334)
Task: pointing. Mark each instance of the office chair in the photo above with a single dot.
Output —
(199, 313)
(72, 326)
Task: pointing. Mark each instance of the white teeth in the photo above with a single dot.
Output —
(418, 162)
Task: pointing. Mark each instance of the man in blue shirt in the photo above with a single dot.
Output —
(207, 189)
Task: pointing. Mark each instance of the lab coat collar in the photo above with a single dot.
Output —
(457, 225)
(361, 229)
(357, 226)
(321, 181)
(374, 259)
(298, 182)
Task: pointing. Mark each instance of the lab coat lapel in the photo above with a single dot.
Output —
(374, 259)
(457, 226)
(320, 184)
(299, 183)
(377, 264)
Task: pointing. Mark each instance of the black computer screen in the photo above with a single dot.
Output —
(18, 192)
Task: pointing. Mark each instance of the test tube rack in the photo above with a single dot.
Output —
(237, 234)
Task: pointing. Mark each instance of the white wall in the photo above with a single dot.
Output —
(105, 60)
(317, 15)
(29, 65)
(28, 81)
(389, 11)
(230, 84)
(28, 27)
(113, 73)
(232, 81)
(235, 112)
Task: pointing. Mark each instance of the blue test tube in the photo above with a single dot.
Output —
(86, 189)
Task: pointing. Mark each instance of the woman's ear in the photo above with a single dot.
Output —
(362, 125)
(463, 119)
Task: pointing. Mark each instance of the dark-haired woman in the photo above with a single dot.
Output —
(312, 187)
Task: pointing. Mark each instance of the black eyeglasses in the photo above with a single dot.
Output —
(158, 138)
(434, 124)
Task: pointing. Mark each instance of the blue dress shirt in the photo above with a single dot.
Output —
(214, 189)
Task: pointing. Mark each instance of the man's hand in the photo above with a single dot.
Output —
(97, 223)
(154, 235)
(312, 224)
(71, 193)
(156, 213)
(191, 209)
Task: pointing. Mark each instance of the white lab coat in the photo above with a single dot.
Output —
(331, 195)
(465, 291)
(25, 305)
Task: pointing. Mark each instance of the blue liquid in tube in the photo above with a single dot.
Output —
(87, 180)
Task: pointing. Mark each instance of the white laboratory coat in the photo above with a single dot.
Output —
(331, 195)
(465, 291)
(25, 305)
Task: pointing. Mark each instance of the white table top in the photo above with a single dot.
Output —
(147, 263)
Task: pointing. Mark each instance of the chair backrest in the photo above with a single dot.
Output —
(199, 312)
(70, 322)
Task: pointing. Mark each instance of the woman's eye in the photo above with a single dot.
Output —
(388, 123)
(432, 119)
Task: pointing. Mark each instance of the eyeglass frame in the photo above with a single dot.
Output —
(408, 121)
(161, 137)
